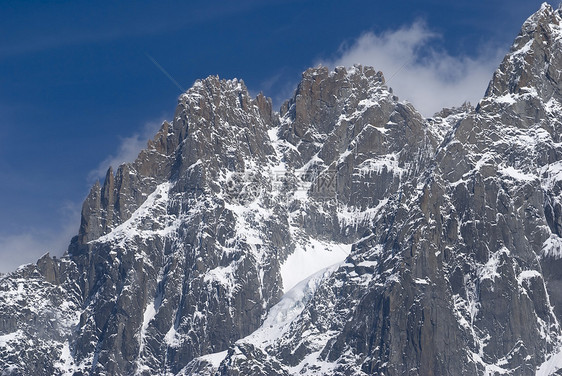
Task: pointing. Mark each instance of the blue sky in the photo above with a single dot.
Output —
(79, 91)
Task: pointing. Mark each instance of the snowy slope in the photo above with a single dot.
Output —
(345, 234)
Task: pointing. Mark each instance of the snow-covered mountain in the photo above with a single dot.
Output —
(344, 235)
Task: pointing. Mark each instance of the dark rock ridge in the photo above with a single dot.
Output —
(422, 246)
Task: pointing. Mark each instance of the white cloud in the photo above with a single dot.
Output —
(429, 78)
(26, 247)
(128, 150)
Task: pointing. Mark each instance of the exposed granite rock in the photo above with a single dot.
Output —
(448, 231)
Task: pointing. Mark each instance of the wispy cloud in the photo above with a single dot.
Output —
(60, 38)
(26, 247)
(429, 78)
(113, 23)
(128, 150)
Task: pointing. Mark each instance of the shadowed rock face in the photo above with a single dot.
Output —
(453, 227)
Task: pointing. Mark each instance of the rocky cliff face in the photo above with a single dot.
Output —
(345, 234)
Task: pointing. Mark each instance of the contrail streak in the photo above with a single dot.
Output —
(165, 72)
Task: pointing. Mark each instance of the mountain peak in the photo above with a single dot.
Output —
(535, 54)
(427, 246)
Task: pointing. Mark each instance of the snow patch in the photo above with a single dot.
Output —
(148, 221)
(214, 359)
(551, 365)
(421, 281)
(490, 269)
(65, 363)
(552, 174)
(291, 305)
(352, 216)
(172, 338)
(149, 314)
(552, 247)
(309, 258)
(527, 274)
(506, 99)
(7, 340)
(523, 50)
(379, 165)
(516, 174)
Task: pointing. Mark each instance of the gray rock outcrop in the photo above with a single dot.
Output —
(344, 235)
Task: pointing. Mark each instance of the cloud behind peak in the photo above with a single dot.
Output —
(419, 72)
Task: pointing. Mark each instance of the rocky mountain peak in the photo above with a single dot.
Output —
(324, 98)
(527, 87)
(535, 55)
(215, 112)
(322, 92)
(213, 93)
(345, 235)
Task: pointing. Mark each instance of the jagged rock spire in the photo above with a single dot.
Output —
(535, 59)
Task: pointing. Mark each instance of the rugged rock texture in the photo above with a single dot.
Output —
(344, 235)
